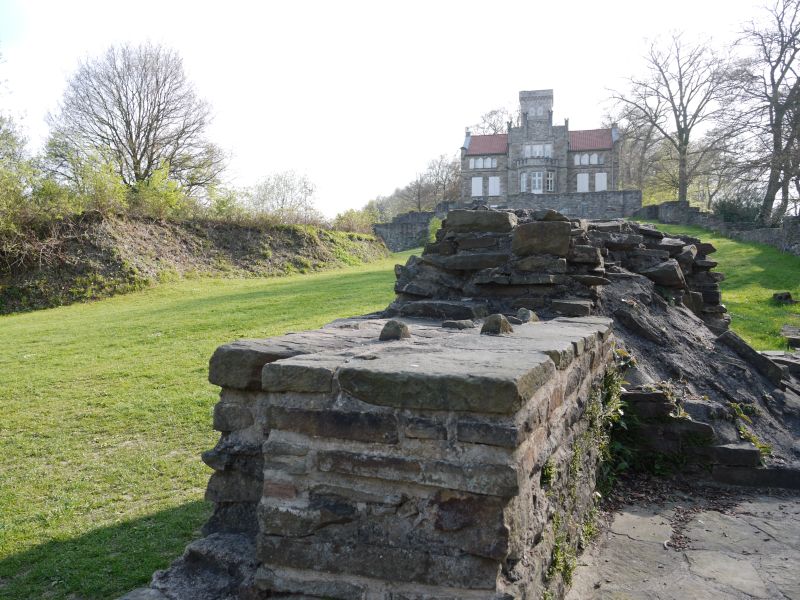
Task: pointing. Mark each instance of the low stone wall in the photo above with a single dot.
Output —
(405, 231)
(785, 238)
(446, 465)
(589, 205)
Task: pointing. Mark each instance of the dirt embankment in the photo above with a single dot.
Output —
(93, 257)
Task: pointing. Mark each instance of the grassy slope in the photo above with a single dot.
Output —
(106, 408)
(753, 272)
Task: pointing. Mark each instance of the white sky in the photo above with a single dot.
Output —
(358, 96)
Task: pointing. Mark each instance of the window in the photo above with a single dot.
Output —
(584, 159)
(538, 150)
(600, 182)
(593, 159)
(483, 162)
(494, 163)
(550, 181)
(540, 110)
(477, 186)
(479, 163)
(536, 182)
(583, 182)
(577, 158)
(471, 163)
(602, 159)
(494, 186)
(523, 182)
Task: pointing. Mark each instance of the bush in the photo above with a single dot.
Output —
(739, 205)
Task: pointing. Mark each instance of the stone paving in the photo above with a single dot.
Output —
(684, 550)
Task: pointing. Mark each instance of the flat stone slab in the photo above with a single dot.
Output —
(435, 369)
(750, 551)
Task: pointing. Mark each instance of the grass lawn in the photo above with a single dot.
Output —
(106, 408)
(753, 272)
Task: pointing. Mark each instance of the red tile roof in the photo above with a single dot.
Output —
(590, 139)
(488, 144)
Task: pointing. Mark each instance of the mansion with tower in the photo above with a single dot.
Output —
(537, 157)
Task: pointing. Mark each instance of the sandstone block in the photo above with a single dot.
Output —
(379, 561)
(274, 581)
(541, 264)
(376, 428)
(477, 380)
(444, 309)
(480, 221)
(572, 308)
(585, 255)
(667, 274)
(493, 480)
(541, 237)
(425, 428)
(475, 431)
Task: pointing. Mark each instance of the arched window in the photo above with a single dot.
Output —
(494, 163)
(577, 158)
(584, 159)
(471, 163)
(593, 159)
(479, 163)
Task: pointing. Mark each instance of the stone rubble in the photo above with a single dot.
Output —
(408, 456)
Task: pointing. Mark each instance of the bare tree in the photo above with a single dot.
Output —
(443, 174)
(772, 94)
(683, 92)
(492, 122)
(135, 106)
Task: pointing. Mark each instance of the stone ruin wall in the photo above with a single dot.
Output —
(611, 204)
(785, 238)
(399, 470)
(405, 231)
(543, 261)
(448, 464)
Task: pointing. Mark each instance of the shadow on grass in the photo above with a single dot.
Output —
(105, 562)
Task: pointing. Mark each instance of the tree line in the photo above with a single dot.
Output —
(719, 126)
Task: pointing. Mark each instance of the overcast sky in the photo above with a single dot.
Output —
(358, 96)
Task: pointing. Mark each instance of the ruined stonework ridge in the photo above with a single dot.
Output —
(448, 447)
(349, 467)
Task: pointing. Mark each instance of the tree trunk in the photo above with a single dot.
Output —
(683, 176)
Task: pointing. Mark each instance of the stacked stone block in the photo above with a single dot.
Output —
(350, 467)
(487, 261)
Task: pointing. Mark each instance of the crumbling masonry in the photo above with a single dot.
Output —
(454, 464)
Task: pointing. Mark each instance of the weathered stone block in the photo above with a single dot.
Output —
(476, 431)
(300, 374)
(583, 254)
(541, 237)
(380, 561)
(238, 364)
(229, 416)
(459, 381)
(376, 428)
(425, 428)
(274, 581)
(667, 274)
(444, 309)
(572, 308)
(480, 221)
(493, 480)
(541, 264)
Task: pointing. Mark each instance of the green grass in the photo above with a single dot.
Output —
(106, 408)
(753, 272)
